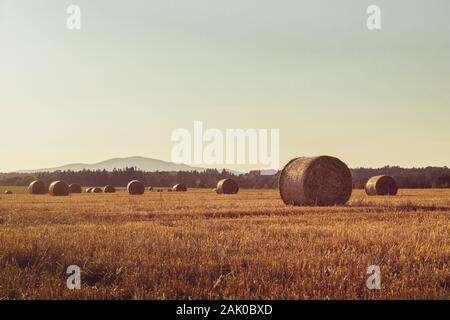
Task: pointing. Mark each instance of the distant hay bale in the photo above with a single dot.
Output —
(180, 187)
(8, 192)
(169, 190)
(109, 189)
(381, 186)
(59, 188)
(150, 189)
(37, 187)
(96, 190)
(135, 187)
(322, 181)
(159, 190)
(227, 186)
(88, 190)
(74, 188)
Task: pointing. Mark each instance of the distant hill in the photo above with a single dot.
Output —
(141, 163)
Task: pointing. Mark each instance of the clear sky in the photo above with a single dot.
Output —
(137, 70)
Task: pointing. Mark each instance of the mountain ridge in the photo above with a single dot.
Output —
(142, 163)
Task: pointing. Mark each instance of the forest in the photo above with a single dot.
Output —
(414, 178)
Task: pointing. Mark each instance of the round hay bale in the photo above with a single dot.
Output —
(74, 188)
(88, 190)
(150, 189)
(227, 186)
(180, 187)
(135, 187)
(37, 187)
(381, 186)
(96, 190)
(322, 181)
(8, 192)
(59, 188)
(169, 190)
(109, 189)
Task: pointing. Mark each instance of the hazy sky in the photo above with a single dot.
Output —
(137, 70)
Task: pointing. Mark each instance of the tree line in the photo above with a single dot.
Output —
(430, 177)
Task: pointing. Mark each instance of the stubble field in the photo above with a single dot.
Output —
(199, 245)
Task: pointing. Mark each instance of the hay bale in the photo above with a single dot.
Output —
(109, 189)
(37, 187)
(59, 188)
(227, 186)
(169, 190)
(320, 181)
(150, 189)
(381, 186)
(88, 190)
(135, 187)
(159, 190)
(180, 187)
(74, 188)
(8, 192)
(96, 190)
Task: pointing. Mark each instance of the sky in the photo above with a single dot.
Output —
(138, 70)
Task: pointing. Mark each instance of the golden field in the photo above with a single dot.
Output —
(199, 245)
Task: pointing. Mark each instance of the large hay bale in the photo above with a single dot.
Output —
(74, 188)
(150, 189)
(179, 187)
(109, 189)
(37, 187)
(59, 188)
(227, 186)
(320, 181)
(135, 187)
(96, 190)
(381, 186)
(88, 190)
(8, 192)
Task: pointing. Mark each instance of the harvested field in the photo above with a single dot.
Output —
(200, 245)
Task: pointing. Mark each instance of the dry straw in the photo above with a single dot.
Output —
(74, 188)
(96, 190)
(109, 189)
(381, 186)
(180, 187)
(135, 187)
(227, 186)
(37, 187)
(320, 181)
(59, 188)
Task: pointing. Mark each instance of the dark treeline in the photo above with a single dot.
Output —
(121, 177)
(421, 178)
(430, 177)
